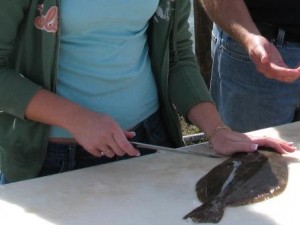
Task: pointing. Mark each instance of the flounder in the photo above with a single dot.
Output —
(242, 179)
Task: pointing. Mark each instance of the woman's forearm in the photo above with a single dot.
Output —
(206, 117)
(46, 107)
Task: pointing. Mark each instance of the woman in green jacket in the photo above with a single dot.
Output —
(80, 78)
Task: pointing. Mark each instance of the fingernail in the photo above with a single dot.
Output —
(138, 154)
(133, 133)
(291, 143)
(254, 146)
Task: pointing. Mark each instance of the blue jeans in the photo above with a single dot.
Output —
(246, 99)
(2, 178)
(66, 157)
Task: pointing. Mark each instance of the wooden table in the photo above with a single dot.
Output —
(157, 189)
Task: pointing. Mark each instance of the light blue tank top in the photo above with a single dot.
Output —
(103, 62)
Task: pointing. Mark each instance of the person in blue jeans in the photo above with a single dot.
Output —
(79, 80)
(256, 55)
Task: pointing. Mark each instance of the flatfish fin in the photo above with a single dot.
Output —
(209, 212)
(244, 178)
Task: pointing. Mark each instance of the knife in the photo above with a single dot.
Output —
(196, 149)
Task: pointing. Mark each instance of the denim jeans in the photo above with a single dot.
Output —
(66, 157)
(2, 178)
(246, 99)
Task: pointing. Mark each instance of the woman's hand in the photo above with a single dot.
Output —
(227, 142)
(100, 135)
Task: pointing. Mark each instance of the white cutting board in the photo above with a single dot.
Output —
(156, 189)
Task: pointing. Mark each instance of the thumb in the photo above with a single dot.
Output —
(264, 58)
(244, 147)
(129, 134)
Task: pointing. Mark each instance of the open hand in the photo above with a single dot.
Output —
(228, 142)
(269, 62)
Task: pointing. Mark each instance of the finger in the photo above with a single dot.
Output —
(116, 148)
(245, 142)
(287, 78)
(124, 144)
(129, 134)
(288, 148)
(95, 152)
(106, 151)
(284, 70)
(278, 69)
(242, 147)
(264, 58)
(278, 145)
(235, 142)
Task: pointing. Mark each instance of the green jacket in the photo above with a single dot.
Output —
(28, 62)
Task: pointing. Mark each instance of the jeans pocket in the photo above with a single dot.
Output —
(234, 50)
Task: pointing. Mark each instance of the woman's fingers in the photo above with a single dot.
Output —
(227, 143)
(279, 145)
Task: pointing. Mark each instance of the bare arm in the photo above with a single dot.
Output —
(234, 18)
(206, 117)
(95, 132)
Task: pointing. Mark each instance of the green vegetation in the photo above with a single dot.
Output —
(188, 129)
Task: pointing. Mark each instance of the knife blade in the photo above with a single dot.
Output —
(196, 149)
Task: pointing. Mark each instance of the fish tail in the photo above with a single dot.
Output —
(208, 212)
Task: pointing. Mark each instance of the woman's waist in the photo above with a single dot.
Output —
(62, 140)
(59, 135)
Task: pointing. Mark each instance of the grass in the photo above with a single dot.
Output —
(188, 129)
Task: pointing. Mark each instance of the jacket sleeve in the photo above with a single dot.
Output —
(187, 87)
(15, 90)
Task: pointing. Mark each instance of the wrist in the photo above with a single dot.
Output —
(217, 130)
